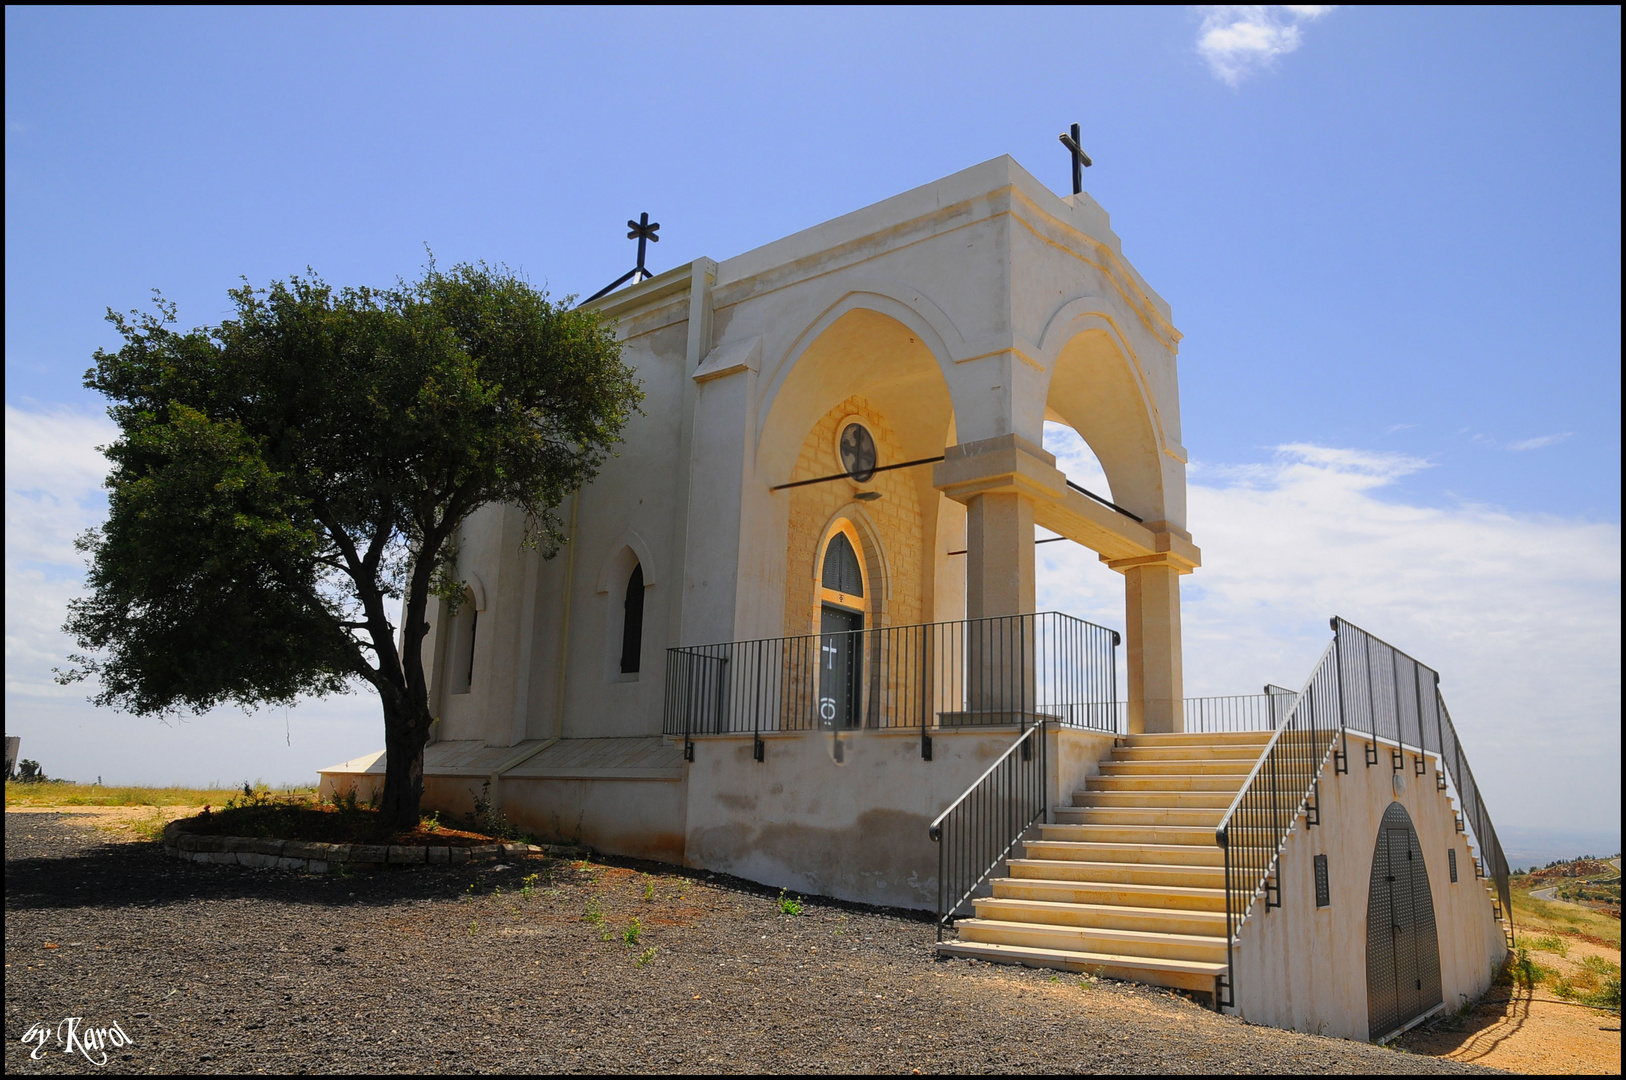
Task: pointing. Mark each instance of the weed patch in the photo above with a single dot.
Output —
(1551, 943)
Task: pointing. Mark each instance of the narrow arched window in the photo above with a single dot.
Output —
(632, 629)
(841, 567)
(460, 640)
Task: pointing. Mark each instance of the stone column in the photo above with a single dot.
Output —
(999, 555)
(999, 480)
(1152, 600)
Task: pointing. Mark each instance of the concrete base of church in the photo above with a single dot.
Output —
(854, 828)
(1305, 967)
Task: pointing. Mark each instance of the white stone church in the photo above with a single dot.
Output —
(793, 638)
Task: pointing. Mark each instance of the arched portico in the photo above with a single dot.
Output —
(1083, 372)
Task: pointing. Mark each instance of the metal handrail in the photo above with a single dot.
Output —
(997, 809)
(1258, 765)
(934, 830)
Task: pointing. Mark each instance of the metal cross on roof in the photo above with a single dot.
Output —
(1081, 160)
(644, 231)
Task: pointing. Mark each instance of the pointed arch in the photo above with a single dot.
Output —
(613, 571)
(885, 316)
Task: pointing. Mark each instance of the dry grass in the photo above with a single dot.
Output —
(99, 795)
(1545, 917)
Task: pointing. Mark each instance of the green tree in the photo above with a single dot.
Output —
(281, 481)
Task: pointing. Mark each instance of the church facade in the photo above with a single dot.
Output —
(793, 634)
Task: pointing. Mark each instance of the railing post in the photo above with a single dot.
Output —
(1224, 839)
(1340, 759)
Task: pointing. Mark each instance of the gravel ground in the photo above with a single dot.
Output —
(227, 969)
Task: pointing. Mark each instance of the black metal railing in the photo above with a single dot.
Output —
(1362, 684)
(979, 829)
(1014, 669)
(1239, 712)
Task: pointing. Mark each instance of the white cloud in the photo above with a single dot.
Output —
(1539, 441)
(1520, 613)
(53, 493)
(1238, 40)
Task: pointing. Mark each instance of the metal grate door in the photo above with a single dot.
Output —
(1402, 945)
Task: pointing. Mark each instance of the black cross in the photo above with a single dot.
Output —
(1081, 160)
(644, 231)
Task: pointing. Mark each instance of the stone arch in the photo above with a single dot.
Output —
(626, 554)
(873, 559)
(613, 573)
(476, 589)
(864, 340)
(1098, 388)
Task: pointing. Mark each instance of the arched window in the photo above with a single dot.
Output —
(841, 567)
(460, 646)
(632, 628)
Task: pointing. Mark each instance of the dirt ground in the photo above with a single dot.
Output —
(1532, 1031)
(551, 966)
(1526, 1033)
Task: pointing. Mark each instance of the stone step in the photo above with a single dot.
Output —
(1108, 916)
(1137, 943)
(1209, 767)
(1112, 893)
(1180, 753)
(1144, 815)
(1208, 854)
(1128, 834)
(1205, 877)
(1238, 739)
(1187, 800)
(1230, 782)
(1182, 974)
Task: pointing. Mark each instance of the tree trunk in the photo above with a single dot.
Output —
(406, 733)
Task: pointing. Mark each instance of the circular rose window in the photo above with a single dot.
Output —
(858, 452)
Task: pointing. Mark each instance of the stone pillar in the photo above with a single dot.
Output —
(999, 480)
(999, 555)
(1152, 596)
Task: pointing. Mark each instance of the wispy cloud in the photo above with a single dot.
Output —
(1539, 441)
(1520, 613)
(1238, 40)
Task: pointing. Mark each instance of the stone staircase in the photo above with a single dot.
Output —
(1129, 882)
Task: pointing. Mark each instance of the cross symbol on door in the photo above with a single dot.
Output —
(830, 659)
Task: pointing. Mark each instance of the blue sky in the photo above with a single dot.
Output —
(1388, 234)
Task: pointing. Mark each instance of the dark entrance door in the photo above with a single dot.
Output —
(841, 666)
(1402, 947)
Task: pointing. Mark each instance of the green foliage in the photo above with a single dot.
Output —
(279, 478)
(649, 890)
(431, 824)
(646, 956)
(486, 818)
(527, 885)
(787, 906)
(1551, 943)
(1526, 972)
(1606, 996)
(29, 772)
(151, 825)
(631, 933)
(593, 912)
